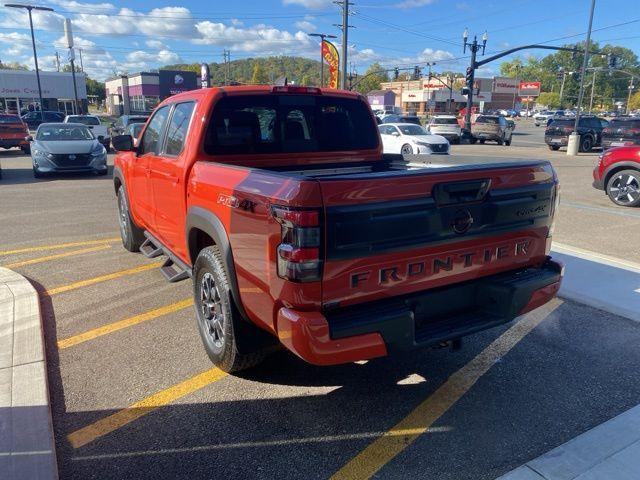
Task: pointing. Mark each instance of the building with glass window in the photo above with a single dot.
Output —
(140, 93)
(19, 91)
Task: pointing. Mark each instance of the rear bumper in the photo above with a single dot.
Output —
(598, 184)
(13, 142)
(422, 319)
(556, 140)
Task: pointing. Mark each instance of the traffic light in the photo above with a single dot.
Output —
(560, 74)
(469, 78)
(612, 61)
(416, 72)
(396, 73)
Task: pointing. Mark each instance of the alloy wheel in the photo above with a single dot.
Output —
(625, 189)
(122, 217)
(213, 317)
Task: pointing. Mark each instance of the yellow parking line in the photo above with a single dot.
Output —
(393, 442)
(139, 409)
(127, 322)
(59, 246)
(103, 278)
(56, 256)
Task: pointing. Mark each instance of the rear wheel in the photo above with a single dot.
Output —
(586, 144)
(554, 147)
(508, 142)
(473, 141)
(132, 236)
(406, 149)
(623, 188)
(482, 142)
(500, 141)
(218, 318)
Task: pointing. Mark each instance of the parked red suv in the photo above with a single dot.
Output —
(278, 203)
(618, 174)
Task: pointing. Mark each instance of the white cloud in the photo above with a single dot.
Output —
(157, 44)
(144, 59)
(305, 26)
(431, 55)
(73, 5)
(258, 38)
(413, 3)
(313, 4)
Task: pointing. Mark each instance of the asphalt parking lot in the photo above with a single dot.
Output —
(135, 396)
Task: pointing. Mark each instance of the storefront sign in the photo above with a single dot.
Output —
(505, 85)
(530, 89)
(23, 84)
(175, 81)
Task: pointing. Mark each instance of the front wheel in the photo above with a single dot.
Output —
(554, 147)
(406, 149)
(473, 141)
(132, 236)
(218, 319)
(623, 188)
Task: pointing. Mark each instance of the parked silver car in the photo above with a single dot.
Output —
(446, 126)
(66, 147)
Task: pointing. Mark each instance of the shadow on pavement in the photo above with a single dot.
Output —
(21, 176)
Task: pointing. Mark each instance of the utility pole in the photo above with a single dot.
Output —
(29, 8)
(470, 78)
(631, 87)
(322, 37)
(226, 55)
(593, 86)
(574, 138)
(72, 56)
(515, 91)
(57, 62)
(345, 4)
(81, 65)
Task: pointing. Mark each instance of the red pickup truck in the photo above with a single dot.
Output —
(278, 203)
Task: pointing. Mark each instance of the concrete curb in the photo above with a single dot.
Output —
(27, 446)
(600, 281)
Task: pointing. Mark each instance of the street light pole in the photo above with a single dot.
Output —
(574, 138)
(475, 48)
(322, 37)
(629, 97)
(29, 8)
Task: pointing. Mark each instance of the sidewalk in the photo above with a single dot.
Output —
(610, 451)
(27, 447)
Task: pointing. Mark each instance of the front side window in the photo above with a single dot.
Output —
(289, 123)
(178, 128)
(412, 129)
(152, 135)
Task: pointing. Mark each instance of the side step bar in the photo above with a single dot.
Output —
(149, 249)
(173, 272)
(173, 269)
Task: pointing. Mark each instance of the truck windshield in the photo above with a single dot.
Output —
(289, 123)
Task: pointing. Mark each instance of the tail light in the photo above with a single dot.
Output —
(296, 89)
(606, 131)
(298, 255)
(567, 129)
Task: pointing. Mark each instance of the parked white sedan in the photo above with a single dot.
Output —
(407, 138)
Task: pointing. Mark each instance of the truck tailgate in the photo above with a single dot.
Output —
(432, 227)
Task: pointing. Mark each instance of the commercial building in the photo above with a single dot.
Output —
(19, 91)
(434, 95)
(384, 100)
(141, 92)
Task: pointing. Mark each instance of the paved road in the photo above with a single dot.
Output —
(134, 395)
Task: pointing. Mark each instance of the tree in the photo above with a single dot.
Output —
(96, 88)
(550, 99)
(259, 76)
(13, 66)
(305, 80)
(634, 103)
(372, 79)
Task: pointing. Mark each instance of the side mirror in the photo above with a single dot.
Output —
(395, 134)
(123, 143)
(29, 138)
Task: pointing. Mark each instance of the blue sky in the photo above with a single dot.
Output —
(127, 36)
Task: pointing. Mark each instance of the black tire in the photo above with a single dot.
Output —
(586, 144)
(132, 236)
(473, 141)
(102, 172)
(500, 141)
(26, 150)
(482, 142)
(623, 188)
(508, 142)
(218, 320)
(554, 147)
(406, 149)
(457, 141)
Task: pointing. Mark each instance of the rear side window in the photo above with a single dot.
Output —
(10, 119)
(152, 135)
(444, 121)
(289, 123)
(624, 123)
(178, 128)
